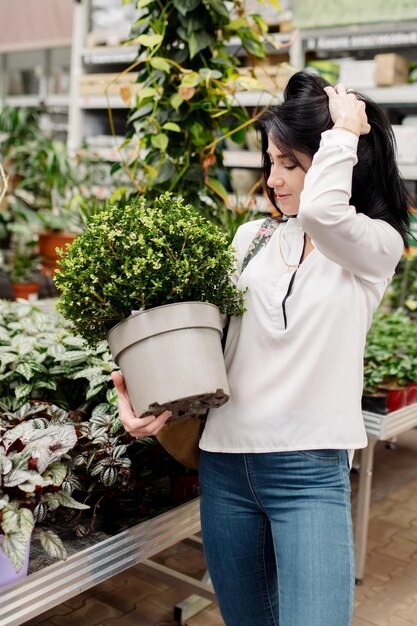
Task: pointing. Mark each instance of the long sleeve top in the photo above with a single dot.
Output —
(295, 357)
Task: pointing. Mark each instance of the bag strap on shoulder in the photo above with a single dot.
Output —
(261, 238)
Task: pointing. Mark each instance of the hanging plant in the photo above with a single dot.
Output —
(185, 105)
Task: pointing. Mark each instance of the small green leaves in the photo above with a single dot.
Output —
(160, 64)
(141, 256)
(160, 141)
(172, 127)
(149, 41)
(52, 544)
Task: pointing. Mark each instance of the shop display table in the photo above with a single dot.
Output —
(92, 565)
(56, 583)
(379, 428)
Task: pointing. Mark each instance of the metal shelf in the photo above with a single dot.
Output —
(57, 583)
(109, 55)
(397, 94)
(242, 158)
(36, 100)
(360, 37)
(100, 102)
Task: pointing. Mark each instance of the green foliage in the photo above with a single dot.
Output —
(391, 351)
(17, 127)
(185, 105)
(137, 257)
(34, 446)
(21, 266)
(40, 358)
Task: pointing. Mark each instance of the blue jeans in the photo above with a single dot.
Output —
(277, 536)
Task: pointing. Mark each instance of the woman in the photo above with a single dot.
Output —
(274, 470)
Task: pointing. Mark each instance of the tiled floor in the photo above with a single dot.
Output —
(388, 596)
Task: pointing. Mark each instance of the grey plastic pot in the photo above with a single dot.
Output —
(171, 358)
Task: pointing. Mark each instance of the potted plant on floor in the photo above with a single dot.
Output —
(155, 278)
(22, 268)
(34, 442)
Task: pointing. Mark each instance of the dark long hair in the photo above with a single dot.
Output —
(377, 187)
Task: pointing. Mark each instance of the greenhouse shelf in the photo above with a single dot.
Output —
(57, 583)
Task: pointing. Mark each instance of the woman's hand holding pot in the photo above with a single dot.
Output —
(136, 426)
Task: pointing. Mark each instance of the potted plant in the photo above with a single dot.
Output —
(188, 63)
(388, 364)
(47, 181)
(34, 442)
(21, 267)
(149, 276)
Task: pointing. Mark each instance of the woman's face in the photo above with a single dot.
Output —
(287, 178)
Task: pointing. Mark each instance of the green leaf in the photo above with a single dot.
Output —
(149, 41)
(160, 64)
(191, 80)
(171, 126)
(199, 40)
(56, 351)
(52, 544)
(219, 7)
(237, 24)
(143, 111)
(160, 141)
(47, 384)
(14, 547)
(22, 391)
(185, 6)
(108, 476)
(208, 74)
(165, 172)
(146, 92)
(25, 370)
(88, 372)
(217, 186)
(55, 473)
(141, 4)
(68, 501)
(254, 47)
(76, 342)
(115, 168)
(176, 101)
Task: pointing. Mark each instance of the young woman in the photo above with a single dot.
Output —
(274, 470)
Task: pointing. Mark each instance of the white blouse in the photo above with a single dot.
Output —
(295, 358)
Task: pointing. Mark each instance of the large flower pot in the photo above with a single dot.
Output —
(28, 291)
(171, 357)
(48, 242)
(8, 574)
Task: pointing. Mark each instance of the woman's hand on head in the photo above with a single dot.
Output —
(136, 426)
(347, 111)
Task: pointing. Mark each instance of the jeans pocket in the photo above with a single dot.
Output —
(324, 455)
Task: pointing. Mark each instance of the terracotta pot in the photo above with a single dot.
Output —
(171, 357)
(48, 243)
(8, 574)
(27, 291)
(411, 393)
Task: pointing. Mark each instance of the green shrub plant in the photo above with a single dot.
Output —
(136, 257)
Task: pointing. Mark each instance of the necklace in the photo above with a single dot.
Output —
(290, 267)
